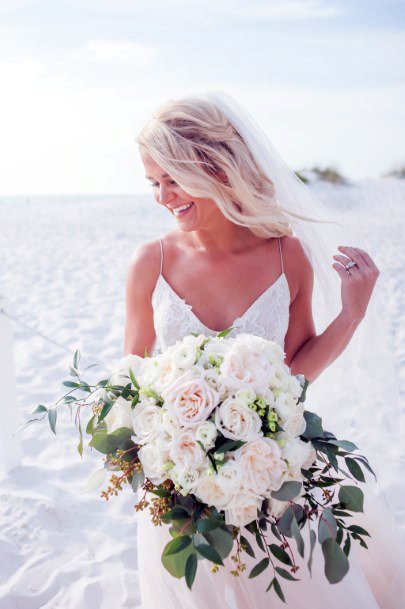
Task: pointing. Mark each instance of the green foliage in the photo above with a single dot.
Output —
(351, 498)
(336, 562)
(287, 491)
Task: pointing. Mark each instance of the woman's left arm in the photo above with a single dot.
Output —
(307, 353)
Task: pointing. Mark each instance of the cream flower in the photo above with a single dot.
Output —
(185, 450)
(235, 420)
(242, 509)
(262, 465)
(190, 398)
(146, 422)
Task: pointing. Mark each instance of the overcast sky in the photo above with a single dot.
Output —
(325, 79)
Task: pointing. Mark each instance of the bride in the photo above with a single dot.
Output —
(245, 254)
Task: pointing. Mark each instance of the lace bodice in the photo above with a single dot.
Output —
(267, 317)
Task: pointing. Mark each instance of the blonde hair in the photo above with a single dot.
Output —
(194, 142)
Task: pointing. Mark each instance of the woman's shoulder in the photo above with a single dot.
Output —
(297, 265)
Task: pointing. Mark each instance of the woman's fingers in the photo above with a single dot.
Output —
(344, 260)
(353, 254)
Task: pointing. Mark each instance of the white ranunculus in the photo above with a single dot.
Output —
(185, 353)
(153, 458)
(294, 387)
(286, 406)
(120, 374)
(119, 415)
(242, 509)
(190, 398)
(262, 466)
(230, 476)
(210, 491)
(216, 348)
(187, 477)
(279, 376)
(247, 395)
(235, 420)
(146, 422)
(214, 380)
(185, 450)
(206, 433)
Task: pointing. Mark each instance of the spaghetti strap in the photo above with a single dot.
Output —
(161, 255)
(281, 255)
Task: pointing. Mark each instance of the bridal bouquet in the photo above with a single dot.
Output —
(214, 437)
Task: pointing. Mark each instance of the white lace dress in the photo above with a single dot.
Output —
(372, 580)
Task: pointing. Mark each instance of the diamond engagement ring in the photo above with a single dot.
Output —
(350, 264)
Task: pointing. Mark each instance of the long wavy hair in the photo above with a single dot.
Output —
(194, 142)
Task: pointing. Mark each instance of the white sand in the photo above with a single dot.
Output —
(63, 263)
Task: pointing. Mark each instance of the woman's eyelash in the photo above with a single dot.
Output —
(156, 184)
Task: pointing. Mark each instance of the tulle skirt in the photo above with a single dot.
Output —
(373, 581)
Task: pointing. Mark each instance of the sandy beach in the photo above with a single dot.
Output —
(63, 262)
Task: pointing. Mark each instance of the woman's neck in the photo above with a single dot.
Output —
(226, 237)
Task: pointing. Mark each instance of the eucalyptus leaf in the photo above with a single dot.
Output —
(326, 526)
(345, 444)
(355, 469)
(191, 570)
(176, 545)
(221, 539)
(52, 416)
(209, 553)
(39, 408)
(312, 541)
(246, 546)
(295, 530)
(95, 480)
(336, 562)
(286, 574)
(278, 590)
(280, 554)
(205, 525)
(224, 332)
(314, 427)
(351, 497)
(287, 491)
(259, 568)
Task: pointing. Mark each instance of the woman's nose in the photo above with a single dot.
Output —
(166, 195)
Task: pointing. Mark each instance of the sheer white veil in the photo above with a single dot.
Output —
(357, 395)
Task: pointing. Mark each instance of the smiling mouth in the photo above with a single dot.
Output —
(182, 209)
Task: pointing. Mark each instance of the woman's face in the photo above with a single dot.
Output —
(191, 213)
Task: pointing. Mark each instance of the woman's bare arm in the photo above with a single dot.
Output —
(307, 353)
(143, 272)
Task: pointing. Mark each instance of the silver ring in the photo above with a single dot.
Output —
(350, 264)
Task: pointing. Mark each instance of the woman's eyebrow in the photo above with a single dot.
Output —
(164, 175)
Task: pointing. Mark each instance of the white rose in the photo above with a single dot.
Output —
(286, 405)
(262, 465)
(120, 374)
(247, 395)
(242, 509)
(244, 368)
(190, 398)
(153, 458)
(294, 426)
(185, 450)
(235, 420)
(206, 433)
(230, 476)
(160, 371)
(298, 454)
(210, 491)
(119, 415)
(170, 422)
(146, 421)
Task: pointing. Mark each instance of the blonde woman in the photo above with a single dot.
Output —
(242, 255)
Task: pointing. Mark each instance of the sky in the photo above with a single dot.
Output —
(79, 78)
